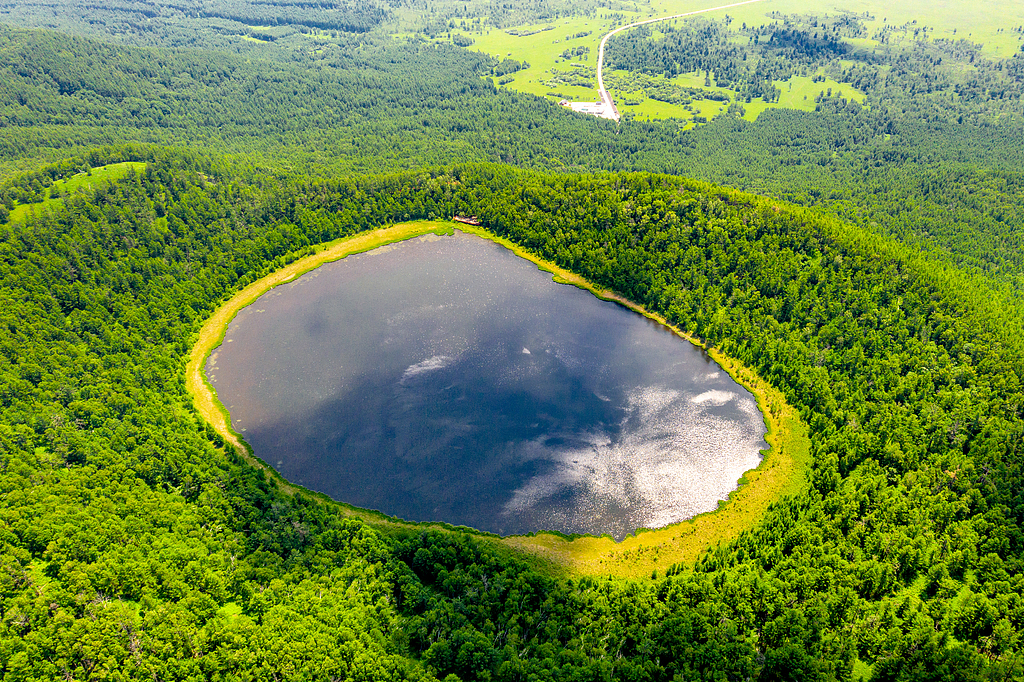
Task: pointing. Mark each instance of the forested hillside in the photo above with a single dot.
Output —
(865, 259)
(361, 104)
(199, 23)
(134, 543)
(236, 24)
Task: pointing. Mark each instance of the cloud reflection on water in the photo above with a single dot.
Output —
(669, 458)
(452, 381)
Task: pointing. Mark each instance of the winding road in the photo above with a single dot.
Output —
(606, 99)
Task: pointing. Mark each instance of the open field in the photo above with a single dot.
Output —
(542, 51)
(989, 23)
(799, 92)
(67, 186)
(782, 472)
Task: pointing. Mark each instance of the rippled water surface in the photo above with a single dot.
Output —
(446, 379)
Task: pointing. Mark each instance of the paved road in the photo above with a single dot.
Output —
(606, 99)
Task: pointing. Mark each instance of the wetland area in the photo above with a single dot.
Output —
(444, 378)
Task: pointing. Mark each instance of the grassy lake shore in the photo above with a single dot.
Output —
(782, 471)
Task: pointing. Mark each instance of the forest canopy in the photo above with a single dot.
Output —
(906, 552)
(864, 259)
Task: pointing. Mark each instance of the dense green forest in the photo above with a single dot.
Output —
(230, 24)
(211, 23)
(868, 264)
(133, 542)
(944, 177)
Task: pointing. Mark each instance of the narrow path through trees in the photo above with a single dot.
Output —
(606, 99)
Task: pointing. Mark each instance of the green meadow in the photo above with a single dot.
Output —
(68, 186)
(989, 23)
(542, 51)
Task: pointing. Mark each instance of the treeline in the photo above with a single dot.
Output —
(706, 47)
(919, 77)
(661, 89)
(912, 167)
(351, 16)
(55, 80)
(507, 66)
(133, 542)
(195, 23)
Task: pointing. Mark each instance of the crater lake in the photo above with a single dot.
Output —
(447, 379)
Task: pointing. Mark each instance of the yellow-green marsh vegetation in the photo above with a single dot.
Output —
(782, 471)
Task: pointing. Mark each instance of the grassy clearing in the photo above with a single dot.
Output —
(68, 186)
(989, 22)
(799, 92)
(542, 50)
(982, 21)
(782, 471)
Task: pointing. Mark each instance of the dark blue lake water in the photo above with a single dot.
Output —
(446, 379)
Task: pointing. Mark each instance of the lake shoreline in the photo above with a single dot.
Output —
(780, 472)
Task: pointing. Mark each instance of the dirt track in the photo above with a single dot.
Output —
(602, 91)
